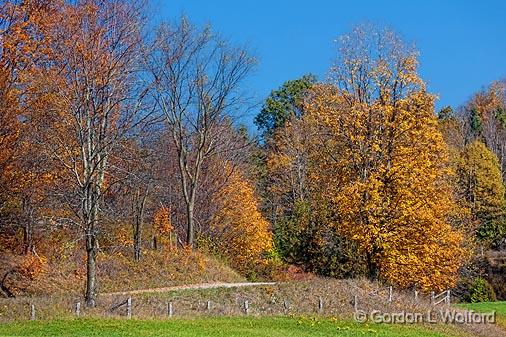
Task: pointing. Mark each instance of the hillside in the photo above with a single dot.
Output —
(116, 272)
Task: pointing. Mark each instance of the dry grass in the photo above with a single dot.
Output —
(298, 299)
(118, 272)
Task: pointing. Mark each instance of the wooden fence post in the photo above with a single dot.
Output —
(246, 307)
(432, 297)
(78, 309)
(286, 306)
(416, 296)
(320, 304)
(208, 305)
(170, 310)
(32, 312)
(355, 302)
(129, 307)
(448, 297)
(390, 294)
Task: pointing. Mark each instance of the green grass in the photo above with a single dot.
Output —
(222, 327)
(498, 307)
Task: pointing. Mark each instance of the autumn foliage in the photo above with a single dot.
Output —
(392, 193)
(161, 221)
(368, 160)
(113, 141)
(241, 233)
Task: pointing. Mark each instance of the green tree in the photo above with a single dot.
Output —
(281, 165)
(283, 103)
(308, 238)
(446, 113)
(481, 184)
(475, 123)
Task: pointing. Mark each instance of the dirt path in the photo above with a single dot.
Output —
(193, 286)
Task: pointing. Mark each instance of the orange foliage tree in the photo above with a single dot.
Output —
(241, 233)
(25, 52)
(161, 221)
(162, 225)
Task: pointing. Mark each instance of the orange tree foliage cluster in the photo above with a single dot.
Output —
(162, 225)
(24, 57)
(241, 233)
(161, 221)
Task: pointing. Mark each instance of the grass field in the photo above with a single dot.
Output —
(498, 307)
(210, 327)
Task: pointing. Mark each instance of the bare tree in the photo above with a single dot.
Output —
(134, 166)
(98, 50)
(197, 78)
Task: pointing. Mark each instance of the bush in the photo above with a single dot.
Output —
(308, 239)
(481, 291)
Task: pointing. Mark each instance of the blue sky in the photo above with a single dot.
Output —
(462, 44)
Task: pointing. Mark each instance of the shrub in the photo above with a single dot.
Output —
(308, 239)
(481, 291)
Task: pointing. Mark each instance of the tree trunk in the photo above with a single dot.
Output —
(140, 204)
(189, 186)
(90, 217)
(90, 296)
(28, 237)
(190, 230)
(137, 241)
(28, 228)
(154, 243)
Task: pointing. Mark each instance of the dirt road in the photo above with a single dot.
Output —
(193, 286)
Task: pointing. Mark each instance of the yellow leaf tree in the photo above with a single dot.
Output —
(241, 233)
(481, 185)
(381, 161)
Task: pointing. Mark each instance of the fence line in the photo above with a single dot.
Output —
(315, 304)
